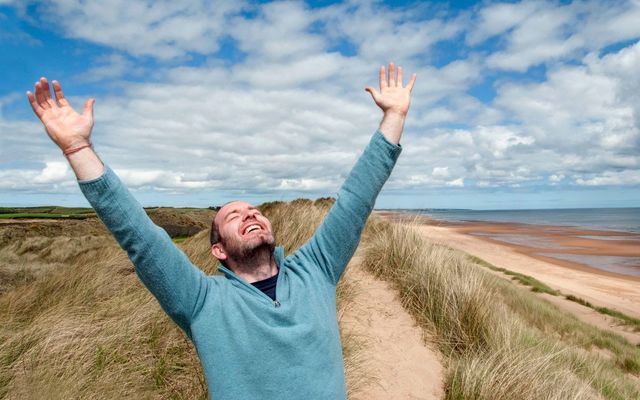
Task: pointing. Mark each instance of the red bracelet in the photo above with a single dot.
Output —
(76, 149)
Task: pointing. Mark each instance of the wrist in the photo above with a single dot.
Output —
(76, 148)
(73, 143)
(395, 114)
(391, 126)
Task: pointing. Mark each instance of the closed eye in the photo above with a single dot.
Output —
(233, 215)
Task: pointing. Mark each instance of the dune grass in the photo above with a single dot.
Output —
(536, 285)
(83, 326)
(540, 287)
(501, 342)
(626, 319)
(87, 328)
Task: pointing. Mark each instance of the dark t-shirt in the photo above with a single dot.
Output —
(268, 286)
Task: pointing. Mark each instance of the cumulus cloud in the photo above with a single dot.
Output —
(291, 114)
(536, 32)
(54, 176)
(164, 29)
(110, 67)
(379, 32)
(586, 116)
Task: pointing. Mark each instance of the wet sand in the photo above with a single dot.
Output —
(602, 267)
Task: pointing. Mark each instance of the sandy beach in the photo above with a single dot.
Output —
(560, 256)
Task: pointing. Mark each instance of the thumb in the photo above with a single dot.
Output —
(374, 93)
(88, 108)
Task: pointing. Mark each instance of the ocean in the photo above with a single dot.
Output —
(611, 219)
(613, 259)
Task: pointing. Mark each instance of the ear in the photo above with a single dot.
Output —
(218, 252)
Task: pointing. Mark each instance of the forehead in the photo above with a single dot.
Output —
(230, 207)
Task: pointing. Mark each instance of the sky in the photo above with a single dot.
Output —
(531, 104)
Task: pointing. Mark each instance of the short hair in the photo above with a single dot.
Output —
(214, 237)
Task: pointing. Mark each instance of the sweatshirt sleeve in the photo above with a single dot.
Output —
(164, 269)
(335, 241)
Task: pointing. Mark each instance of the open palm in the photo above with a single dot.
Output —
(63, 124)
(392, 97)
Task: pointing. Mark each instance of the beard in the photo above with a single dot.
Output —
(245, 254)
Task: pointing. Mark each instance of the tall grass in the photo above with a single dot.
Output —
(501, 341)
(86, 327)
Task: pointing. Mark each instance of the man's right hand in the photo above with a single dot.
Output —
(63, 124)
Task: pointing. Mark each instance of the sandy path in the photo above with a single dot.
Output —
(401, 365)
(599, 289)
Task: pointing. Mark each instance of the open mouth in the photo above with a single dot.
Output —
(254, 227)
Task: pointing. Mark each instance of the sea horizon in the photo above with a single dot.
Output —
(619, 219)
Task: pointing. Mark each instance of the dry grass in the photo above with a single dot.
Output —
(85, 327)
(501, 341)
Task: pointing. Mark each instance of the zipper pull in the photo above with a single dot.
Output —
(276, 303)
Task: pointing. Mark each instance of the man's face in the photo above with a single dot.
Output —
(243, 230)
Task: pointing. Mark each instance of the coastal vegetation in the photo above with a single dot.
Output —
(626, 319)
(75, 322)
(540, 287)
(81, 325)
(501, 342)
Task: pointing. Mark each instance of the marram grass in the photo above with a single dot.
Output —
(502, 342)
(84, 327)
(77, 323)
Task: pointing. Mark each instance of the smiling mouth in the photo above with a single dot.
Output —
(251, 228)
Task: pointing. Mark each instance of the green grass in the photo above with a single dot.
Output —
(540, 287)
(180, 239)
(536, 285)
(626, 319)
(46, 212)
(42, 215)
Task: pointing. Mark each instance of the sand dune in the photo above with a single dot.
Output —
(398, 361)
(600, 288)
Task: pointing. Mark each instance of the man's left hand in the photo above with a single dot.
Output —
(392, 97)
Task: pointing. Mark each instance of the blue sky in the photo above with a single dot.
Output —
(530, 104)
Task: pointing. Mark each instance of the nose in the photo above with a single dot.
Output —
(250, 214)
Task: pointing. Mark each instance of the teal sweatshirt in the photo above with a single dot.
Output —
(250, 346)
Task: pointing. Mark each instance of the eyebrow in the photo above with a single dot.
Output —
(235, 210)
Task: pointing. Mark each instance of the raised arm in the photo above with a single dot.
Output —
(166, 271)
(335, 241)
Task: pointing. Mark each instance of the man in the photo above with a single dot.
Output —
(256, 339)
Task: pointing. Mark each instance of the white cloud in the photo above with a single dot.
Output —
(612, 178)
(498, 18)
(53, 172)
(538, 32)
(55, 176)
(293, 114)
(278, 33)
(456, 182)
(110, 67)
(381, 33)
(164, 29)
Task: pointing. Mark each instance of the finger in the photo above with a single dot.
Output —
(399, 82)
(46, 91)
(42, 102)
(88, 108)
(383, 78)
(57, 91)
(34, 104)
(392, 78)
(373, 92)
(411, 82)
